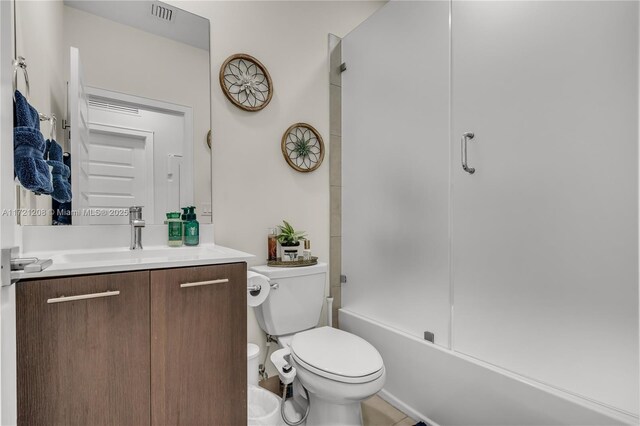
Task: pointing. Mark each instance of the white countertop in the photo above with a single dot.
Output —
(95, 261)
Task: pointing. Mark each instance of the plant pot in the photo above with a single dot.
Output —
(290, 253)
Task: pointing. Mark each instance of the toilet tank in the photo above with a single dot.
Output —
(296, 304)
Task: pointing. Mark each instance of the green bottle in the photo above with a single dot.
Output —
(185, 211)
(174, 225)
(191, 228)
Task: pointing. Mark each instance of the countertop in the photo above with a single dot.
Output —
(95, 261)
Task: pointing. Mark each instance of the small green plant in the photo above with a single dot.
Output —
(289, 236)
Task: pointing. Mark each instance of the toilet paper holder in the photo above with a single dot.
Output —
(254, 290)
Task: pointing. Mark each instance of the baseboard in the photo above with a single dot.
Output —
(409, 411)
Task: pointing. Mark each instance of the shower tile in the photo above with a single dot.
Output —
(335, 113)
(334, 61)
(335, 161)
(336, 293)
(336, 211)
(335, 261)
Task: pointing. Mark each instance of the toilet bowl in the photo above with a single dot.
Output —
(338, 369)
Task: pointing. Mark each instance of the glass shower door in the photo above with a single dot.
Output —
(395, 159)
(544, 236)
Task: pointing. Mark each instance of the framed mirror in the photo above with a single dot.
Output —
(129, 83)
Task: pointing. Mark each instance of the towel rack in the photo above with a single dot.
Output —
(52, 120)
(20, 63)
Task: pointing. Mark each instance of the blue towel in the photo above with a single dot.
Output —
(62, 211)
(28, 148)
(60, 171)
(24, 115)
(28, 160)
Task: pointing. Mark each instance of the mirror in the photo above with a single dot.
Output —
(129, 83)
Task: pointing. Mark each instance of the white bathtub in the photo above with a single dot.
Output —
(445, 388)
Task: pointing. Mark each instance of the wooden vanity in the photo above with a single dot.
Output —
(152, 347)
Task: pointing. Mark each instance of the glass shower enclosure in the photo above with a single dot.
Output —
(490, 196)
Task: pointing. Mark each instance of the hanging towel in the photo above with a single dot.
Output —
(60, 171)
(62, 211)
(28, 148)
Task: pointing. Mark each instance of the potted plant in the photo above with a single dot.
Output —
(289, 242)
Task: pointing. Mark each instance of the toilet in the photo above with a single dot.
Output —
(337, 368)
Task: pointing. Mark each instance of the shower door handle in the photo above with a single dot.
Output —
(463, 152)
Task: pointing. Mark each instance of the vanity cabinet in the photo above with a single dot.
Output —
(83, 350)
(199, 346)
(162, 347)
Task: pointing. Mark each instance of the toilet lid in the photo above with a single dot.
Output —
(337, 353)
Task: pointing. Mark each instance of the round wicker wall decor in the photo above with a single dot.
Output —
(246, 82)
(302, 147)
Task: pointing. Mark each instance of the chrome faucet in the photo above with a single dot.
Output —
(136, 222)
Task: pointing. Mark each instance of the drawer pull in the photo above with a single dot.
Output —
(83, 297)
(200, 283)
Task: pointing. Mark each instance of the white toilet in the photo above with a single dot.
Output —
(337, 368)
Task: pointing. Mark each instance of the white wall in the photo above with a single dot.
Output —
(8, 380)
(253, 187)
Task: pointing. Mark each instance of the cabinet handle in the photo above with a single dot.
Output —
(199, 283)
(83, 297)
(467, 136)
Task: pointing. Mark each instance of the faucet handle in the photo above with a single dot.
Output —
(135, 213)
(137, 223)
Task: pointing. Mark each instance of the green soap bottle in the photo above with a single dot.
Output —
(192, 228)
(185, 212)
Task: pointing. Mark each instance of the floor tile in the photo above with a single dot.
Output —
(377, 412)
(407, 421)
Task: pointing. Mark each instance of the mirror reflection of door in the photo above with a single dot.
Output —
(134, 158)
(119, 173)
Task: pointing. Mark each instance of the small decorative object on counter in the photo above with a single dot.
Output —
(306, 254)
(191, 228)
(289, 240)
(293, 264)
(272, 244)
(174, 225)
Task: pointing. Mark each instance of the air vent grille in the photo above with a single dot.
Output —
(161, 12)
(113, 107)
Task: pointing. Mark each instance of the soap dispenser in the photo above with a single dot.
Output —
(191, 228)
(185, 211)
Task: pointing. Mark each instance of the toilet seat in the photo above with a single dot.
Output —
(337, 355)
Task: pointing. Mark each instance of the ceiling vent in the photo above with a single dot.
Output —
(162, 12)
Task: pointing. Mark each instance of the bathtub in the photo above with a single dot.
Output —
(442, 387)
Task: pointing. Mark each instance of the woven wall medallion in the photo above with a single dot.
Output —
(246, 82)
(302, 147)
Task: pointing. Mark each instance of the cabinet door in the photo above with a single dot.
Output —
(545, 255)
(83, 350)
(199, 345)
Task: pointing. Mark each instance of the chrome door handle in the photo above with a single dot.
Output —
(463, 152)
(83, 297)
(201, 283)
